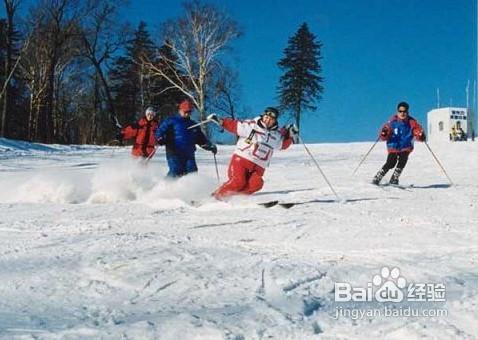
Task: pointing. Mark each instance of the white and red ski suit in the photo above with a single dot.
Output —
(253, 154)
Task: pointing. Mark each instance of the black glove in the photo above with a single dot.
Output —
(213, 117)
(384, 132)
(160, 141)
(422, 137)
(214, 149)
(210, 147)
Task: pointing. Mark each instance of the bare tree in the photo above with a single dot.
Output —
(100, 38)
(33, 67)
(225, 92)
(54, 45)
(196, 41)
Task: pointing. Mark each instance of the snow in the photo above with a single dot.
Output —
(97, 245)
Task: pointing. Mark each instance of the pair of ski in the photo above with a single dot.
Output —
(397, 186)
(271, 204)
(268, 204)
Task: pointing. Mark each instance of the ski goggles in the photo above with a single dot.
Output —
(271, 114)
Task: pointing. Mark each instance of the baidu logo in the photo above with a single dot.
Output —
(390, 286)
(385, 287)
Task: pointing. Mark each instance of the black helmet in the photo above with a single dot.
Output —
(271, 111)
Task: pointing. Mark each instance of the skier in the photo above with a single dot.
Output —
(181, 142)
(257, 140)
(143, 133)
(399, 132)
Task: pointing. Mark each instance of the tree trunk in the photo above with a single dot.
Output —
(93, 136)
(39, 120)
(106, 88)
(30, 119)
(10, 9)
(297, 116)
(48, 134)
(202, 114)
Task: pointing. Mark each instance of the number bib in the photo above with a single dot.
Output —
(262, 151)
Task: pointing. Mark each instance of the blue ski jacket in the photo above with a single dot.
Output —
(173, 132)
(401, 133)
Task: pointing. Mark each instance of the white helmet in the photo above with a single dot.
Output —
(150, 110)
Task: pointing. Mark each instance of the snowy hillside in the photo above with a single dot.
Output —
(94, 245)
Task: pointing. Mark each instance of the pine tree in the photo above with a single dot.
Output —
(130, 82)
(300, 87)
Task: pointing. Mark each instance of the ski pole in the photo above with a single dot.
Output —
(217, 170)
(200, 123)
(318, 167)
(151, 155)
(205, 122)
(438, 162)
(366, 155)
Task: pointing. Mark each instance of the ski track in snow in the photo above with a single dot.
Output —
(95, 245)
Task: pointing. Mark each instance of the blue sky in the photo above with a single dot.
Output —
(375, 54)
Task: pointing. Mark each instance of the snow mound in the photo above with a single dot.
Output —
(11, 145)
(12, 148)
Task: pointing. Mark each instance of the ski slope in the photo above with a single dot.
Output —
(95, 245)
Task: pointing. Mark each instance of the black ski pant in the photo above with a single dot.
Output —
(396, 159)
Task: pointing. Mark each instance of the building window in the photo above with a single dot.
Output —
(440, 126)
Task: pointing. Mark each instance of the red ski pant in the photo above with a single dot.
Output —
(245, 177)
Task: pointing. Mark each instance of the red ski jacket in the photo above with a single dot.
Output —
(143, 133)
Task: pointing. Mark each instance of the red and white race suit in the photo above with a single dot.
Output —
(253, 154)
(256, 143)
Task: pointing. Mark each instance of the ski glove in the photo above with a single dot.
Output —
(210, 147)
(119, 135)
(214, 118)
(422, 137)
(384, 132)
(161, 141)
(293, 132)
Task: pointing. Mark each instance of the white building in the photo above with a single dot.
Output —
(445, 122)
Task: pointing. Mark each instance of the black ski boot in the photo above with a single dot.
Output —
(395, 176)
(378, 177)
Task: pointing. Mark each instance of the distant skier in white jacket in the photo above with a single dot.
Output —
(258, 138)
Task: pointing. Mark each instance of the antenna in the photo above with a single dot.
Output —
(438, 96)
(467, 91)
(476, 64)
(474, 94)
